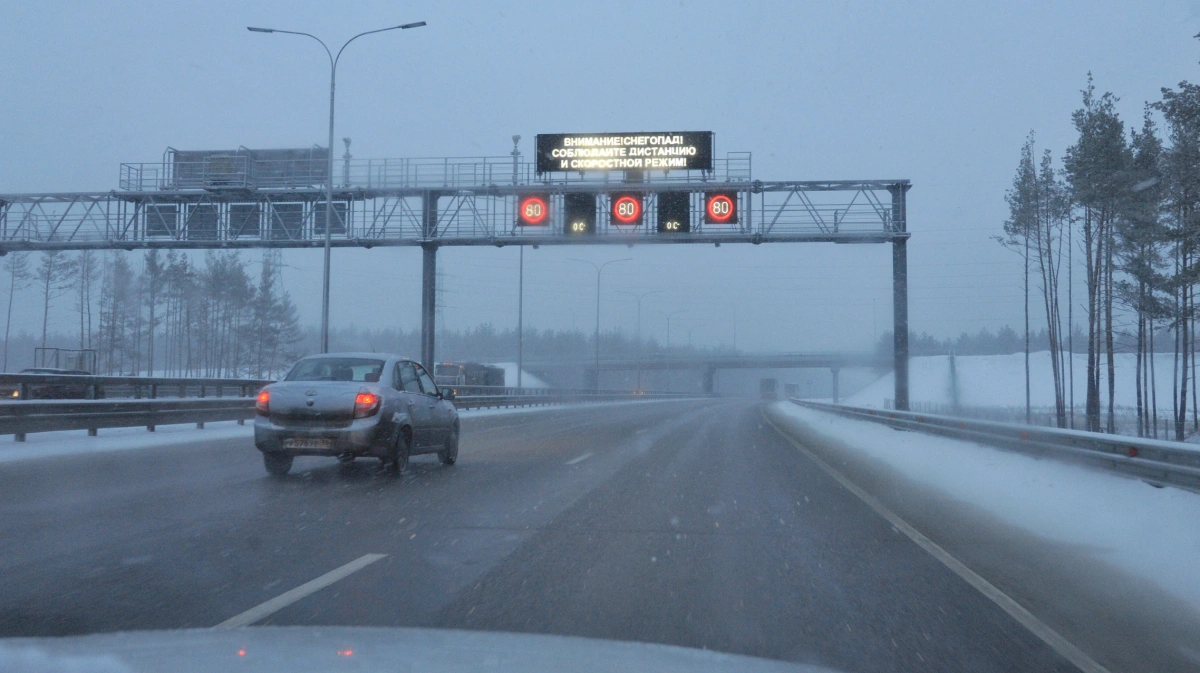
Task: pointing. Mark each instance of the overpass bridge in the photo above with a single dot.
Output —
(709, 364)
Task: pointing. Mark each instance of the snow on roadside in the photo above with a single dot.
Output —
(1151, 533)
(73, 442)
(999, 381)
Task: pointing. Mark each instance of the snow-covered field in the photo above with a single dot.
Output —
(1151, 534)
(999, 381)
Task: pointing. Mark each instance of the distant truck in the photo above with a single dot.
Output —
(467, 374)
(766, 389)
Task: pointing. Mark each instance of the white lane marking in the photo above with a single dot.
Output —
(579, 459)
(1037, 627)
(283, 600)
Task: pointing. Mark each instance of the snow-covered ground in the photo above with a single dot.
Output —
(999, 381)
(1148, 533)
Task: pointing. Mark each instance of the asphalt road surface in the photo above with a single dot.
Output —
(685, 523)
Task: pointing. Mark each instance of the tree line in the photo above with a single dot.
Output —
(1127, 201)
(170, 317)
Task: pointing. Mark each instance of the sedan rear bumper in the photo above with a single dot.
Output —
(363, 437)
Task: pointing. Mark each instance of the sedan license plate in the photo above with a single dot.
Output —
(307, 443)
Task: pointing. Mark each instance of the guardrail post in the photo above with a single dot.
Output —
(153, 396)
(200, 425)
(91, 395)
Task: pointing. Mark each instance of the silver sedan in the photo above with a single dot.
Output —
(351, 405)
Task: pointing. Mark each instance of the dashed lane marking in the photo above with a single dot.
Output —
(579, 459)
(260, 612)
(1037, 627)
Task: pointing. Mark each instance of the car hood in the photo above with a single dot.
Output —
(339, 648)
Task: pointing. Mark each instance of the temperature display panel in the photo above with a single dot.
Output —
(674, 213)
(579, 214)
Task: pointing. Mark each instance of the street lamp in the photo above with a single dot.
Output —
(639, 329)
(599, 269)
(333, 61)
(670, 315)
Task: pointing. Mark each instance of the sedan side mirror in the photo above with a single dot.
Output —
(448, 394)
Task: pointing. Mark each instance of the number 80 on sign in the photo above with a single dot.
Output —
(720, 208)
(533, 210)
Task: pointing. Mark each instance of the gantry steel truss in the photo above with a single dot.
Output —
(453, 202)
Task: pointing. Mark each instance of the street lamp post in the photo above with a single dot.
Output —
(670, 315)
(599, 269)
(333, 61)
(639, 330)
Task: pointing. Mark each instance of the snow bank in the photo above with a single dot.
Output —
(999, 381)
(1148, 532)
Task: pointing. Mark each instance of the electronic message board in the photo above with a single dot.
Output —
(533, 210)
(675, 150)
(720, 208)
(626, 209)
(674, 213)
(579, 214)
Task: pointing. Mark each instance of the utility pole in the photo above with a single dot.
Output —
(639, 297)
(599, 269)
(521, 318)
(670, 315)
(516, 155)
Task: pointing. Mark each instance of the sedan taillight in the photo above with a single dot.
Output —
(263, 403)
(366, 404)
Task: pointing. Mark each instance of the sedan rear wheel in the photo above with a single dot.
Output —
(277, 464)
(449, 454)
(398, 460)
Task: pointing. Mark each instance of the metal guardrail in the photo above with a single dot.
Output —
(1156, 461)
(137, 387)
(20, 418)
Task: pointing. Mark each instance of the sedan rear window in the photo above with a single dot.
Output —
(336, 369)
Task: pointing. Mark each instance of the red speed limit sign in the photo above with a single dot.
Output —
(533, 210)
(627, 209)
(720, 208)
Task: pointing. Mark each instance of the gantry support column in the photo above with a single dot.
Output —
(900, 293)
(428, 279)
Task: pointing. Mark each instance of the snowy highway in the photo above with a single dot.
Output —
(692, 523)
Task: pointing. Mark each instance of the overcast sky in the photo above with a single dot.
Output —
(942, 94)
